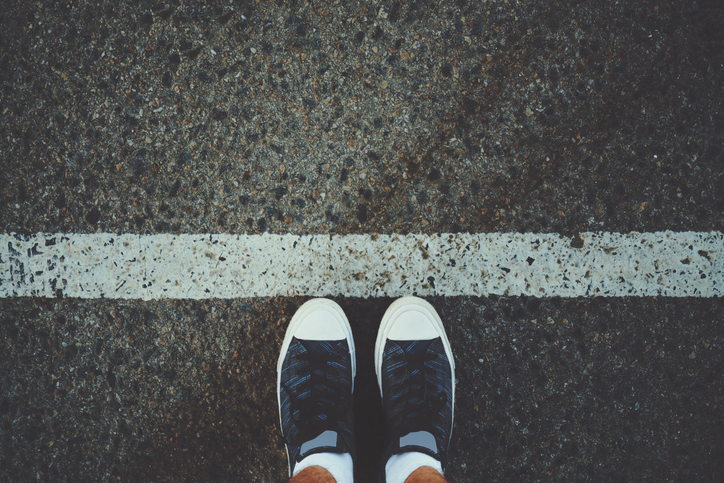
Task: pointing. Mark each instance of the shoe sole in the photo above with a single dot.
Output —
(301, 313)
(388, 320)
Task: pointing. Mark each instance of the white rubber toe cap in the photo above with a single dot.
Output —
(413, 322)
(318, 319)
(410, 318)
(321, 322)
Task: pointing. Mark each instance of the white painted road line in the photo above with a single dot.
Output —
(104, 265)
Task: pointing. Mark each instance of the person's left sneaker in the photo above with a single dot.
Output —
(315, 383)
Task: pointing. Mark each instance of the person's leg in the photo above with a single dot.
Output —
(313, 474)
(416, 375)
(425, 474)
(315, 383)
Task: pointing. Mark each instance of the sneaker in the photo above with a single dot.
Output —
(315, 382)
(416, 375)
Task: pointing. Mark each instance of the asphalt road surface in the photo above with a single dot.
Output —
(342, 118)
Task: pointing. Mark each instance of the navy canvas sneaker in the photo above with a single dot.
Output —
(416, 375)
(315, 382)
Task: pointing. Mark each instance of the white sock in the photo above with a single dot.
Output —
(338, 464)
(400, 466)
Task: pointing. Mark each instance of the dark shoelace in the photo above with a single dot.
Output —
(421, 404)
(327, 402)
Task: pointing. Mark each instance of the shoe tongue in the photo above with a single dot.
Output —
(422, 439)
(328, 439)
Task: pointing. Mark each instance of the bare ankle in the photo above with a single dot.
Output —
(313, 474)
(425, 474)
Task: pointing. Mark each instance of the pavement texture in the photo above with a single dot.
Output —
(555, 390)
(361, 117)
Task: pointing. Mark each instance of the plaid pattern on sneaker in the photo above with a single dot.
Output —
(417, 389)
(316, 399)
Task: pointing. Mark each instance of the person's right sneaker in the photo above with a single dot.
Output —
(416, 375)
